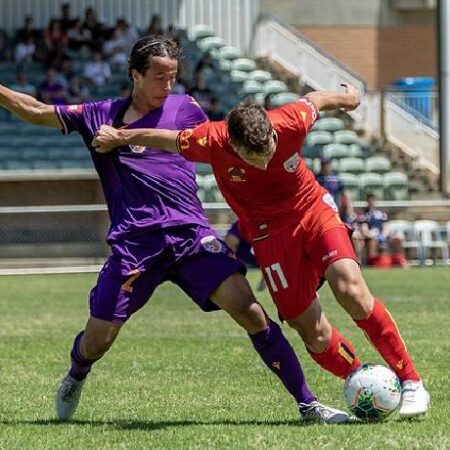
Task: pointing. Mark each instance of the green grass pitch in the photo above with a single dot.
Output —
(180, 378)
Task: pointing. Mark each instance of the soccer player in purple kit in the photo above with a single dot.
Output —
(158, 230)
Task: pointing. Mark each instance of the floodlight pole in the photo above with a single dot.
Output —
(443, 18)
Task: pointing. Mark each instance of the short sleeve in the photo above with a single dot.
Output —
(195, 144)
(72, 117)
(190, 114)
(299, 115)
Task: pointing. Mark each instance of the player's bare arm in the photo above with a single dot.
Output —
(28, 109)
(107, 138)
(329, 100)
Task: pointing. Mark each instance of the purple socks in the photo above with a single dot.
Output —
(80, 366)
(281, 359)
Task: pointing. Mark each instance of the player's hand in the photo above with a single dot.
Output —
(106, 139)
(354, 96)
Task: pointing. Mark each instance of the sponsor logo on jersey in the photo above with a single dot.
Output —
(183, 139)
(75, 108)
(277, 365)
(203, 141)
(211, 244)
(292, 163)
(329, 200)
(236, 173)
(137, 148)
(329, 255)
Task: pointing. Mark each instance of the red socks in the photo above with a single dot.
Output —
(382, 331)
(339, 358)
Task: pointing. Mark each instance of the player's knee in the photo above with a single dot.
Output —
(316, 337)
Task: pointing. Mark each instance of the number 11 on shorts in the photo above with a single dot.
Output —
(281, 279)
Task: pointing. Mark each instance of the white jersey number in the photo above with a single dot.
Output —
(271, 271)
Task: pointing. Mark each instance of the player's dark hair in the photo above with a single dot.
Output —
(148, 46)
(250, 127)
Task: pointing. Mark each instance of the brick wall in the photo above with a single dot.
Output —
(380, 54)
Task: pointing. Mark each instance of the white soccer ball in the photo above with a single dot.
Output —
(372, 392)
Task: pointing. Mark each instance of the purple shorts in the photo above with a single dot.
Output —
(192, 257)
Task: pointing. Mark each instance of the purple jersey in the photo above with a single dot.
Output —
(145, 188)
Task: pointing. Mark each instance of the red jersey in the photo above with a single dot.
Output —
(265, 201)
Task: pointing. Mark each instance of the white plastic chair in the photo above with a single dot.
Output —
(410, 240)
(431, 239)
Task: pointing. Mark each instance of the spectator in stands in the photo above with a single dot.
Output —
(97, 71)
(127, 32)
(116, 49)
(22, 85)
(382, 248)
(24, 51)
(55, 37)
(51, 91)
(201, 92)
(5, 49)
(78, 36)
(124, 90)
(267, 103)
(67, 22)
(350, 218)
(65, 71)
(206, 64)
(215, 111)
(331, 181)
(28, 31)
(155, 27)
(78, 91)
(96, 28)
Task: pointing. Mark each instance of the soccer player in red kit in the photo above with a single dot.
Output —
(293, 225)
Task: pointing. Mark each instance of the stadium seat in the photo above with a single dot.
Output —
(201, 192)
(283, 98)
(203, 169)
(274, 87)
(329, 124)
(260, 75)
(244, 64)
(311, 151)
(396, 186)
(33, 154)
(212, 192)
(251, 87)
(431, 239)
(210, 43)
(200, 32)
(346, 137)
(8, 153)
(355, 151)
(309, 163)
(335, 151)
(351, 165)
(228, 52)
(371, 183)
(319, 138)
(45, 165)
(351, 183)
(237, 76)
(17, 165)
(409, 236)
(378, 164)
(225, 65)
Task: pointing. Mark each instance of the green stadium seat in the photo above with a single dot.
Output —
(46, 141)
(203, 169)
(200, 32)
(201, 191)
(34, 154)
(335, 151)
(396, 186)
(260, 75)
(329, 124)
(309, 163)
(378, 164)
(228, 52)
(8, 153)
(237, 76)
(346, 137)
(351, 165)
(351, 183)
(319, 138)
(251, 87)
(17, 165)
(283, 98)
(212, 192)
(244, 65)
(275, 87)
(210, 43)
(311, 151)
(372, 183)
(225, 65)
(355, 151)
(44, 165)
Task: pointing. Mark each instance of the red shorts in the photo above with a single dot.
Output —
(293, 261)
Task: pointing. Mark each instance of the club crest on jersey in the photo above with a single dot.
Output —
(211, 244)
(75, 108)
(329, 200)
(137, 148)
(183, 139)
(292, 163)
(236, 174)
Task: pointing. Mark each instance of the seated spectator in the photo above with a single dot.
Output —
(51, 91)
(65, 71)
(350, 218)
(78, 36)
(200, 92)
(116, 49)
(28, 31)
(5, 49)
(382, 248)
(267, 104)
(67, 22)
(331, 181)
(127, 32)
(96, 28)
(155, 27)
(55, 37)
(78, 91)
(215, 111)
(22, 85)
(24, 51)
(206, 63)
(97, 71)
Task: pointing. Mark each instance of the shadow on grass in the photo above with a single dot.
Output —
(159, 425)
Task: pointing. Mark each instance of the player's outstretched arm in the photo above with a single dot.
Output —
(329, 100)
(28, 109)
(107, 138)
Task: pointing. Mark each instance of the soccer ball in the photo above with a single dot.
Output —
(372, 392)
